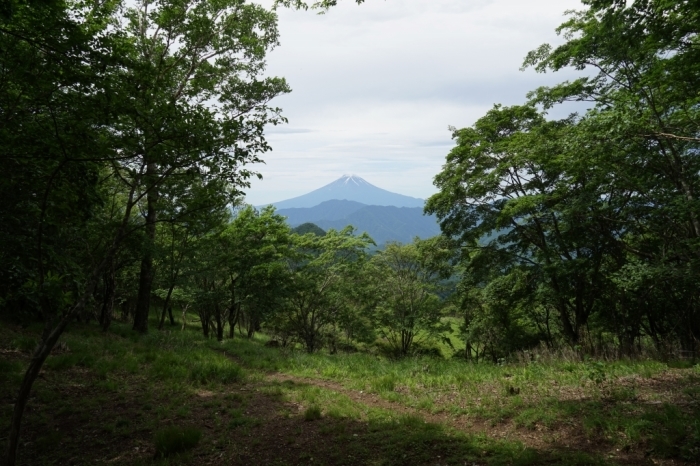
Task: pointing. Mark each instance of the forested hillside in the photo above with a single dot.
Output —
(383, 223)
(598, 211)
(128, 134)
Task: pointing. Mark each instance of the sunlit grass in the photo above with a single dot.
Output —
(601, 397)
(606, 401)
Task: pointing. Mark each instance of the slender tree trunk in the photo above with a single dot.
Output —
(251, 326)
(146, 277)
(51, 336)
(219, 324)
(167, 308)
(108, 299)
(204, 320)
(184, 316)
(233, 319)
(40, 354)
(406, 340)
(569, 331)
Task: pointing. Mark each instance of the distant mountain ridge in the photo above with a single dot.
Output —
(382, 223)
(351, 188)
(332, 210)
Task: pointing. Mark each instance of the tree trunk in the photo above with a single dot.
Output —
(233, 319)
(219, 323)
(251, 326)
(406, 340)
(146, 277)
(204, 320)
(108, 299)
(184, 316)
(167, 308)
(310, 341)
(568, 329)
(49, 338)
(40, 354)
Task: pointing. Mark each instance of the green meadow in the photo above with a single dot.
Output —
(173, 397)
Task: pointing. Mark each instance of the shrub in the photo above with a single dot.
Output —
(428, 351)
(175, 439)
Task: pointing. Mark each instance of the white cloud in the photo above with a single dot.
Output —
(375, 86)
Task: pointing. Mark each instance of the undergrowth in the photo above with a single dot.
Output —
(630, 406)
(176, 439)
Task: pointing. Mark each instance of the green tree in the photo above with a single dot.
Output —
(187, 217)
(515, 189)
(52, 143)
(257, 245)
(317, 294)
(322, 5)
(305, 228)
(153, 97)
(642, 61)
(408, 276)
(198, 104)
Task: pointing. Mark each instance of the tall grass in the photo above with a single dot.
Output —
(607, 399)
(175, 439)
(173, 357)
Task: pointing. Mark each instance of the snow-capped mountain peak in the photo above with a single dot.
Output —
(352, 188)
(345, 179)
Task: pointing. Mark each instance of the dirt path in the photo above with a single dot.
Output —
(565, 438)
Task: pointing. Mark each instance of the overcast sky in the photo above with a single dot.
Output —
(375, 86)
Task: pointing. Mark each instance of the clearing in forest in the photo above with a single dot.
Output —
(173, 398)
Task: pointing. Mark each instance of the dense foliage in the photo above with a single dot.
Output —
(584, 231)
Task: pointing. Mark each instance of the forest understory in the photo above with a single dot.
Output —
(122, 398)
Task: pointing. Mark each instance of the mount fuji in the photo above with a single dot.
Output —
(351, 188)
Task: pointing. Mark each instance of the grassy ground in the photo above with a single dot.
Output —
(175, 398)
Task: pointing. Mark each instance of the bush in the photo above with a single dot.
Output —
(427, 351)
(175, 439)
